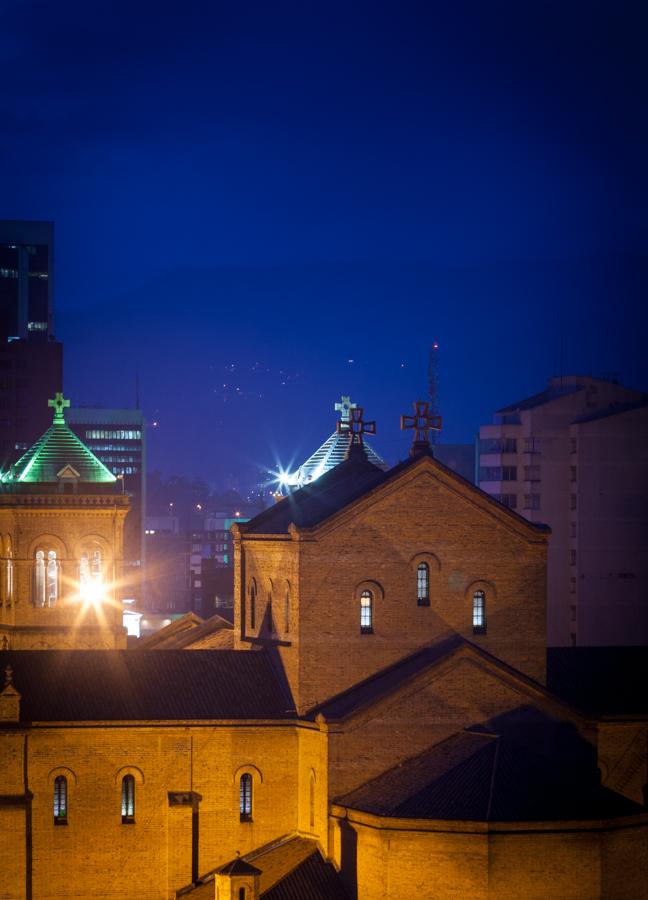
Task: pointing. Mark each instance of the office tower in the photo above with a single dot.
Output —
(31, 360)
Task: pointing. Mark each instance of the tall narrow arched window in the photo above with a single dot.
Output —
(366, 612)
(311, 802)
(96, 566)
(128, 800)
(242, 894)
(479, 612)
(60, 800)
(423, 584)
(84, 573)
(10, 579)
(52, 578)
(245, 797)
(287, 611)
(39, 579)
(253, 605)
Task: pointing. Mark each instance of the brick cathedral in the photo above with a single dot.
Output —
(385, 722)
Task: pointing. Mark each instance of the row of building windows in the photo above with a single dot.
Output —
(367, 604)
(111, 446)
(128, 805)
(98, 434)
(367, 611)
(124, 470)
(498, 473)
(508, 445)
(498, 445)
(47, 576)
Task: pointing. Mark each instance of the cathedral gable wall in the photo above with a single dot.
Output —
(455, 695)
(381, 542)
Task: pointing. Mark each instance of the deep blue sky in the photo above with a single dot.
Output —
(283, 187)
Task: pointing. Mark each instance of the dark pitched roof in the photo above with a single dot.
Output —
(313, 879)
(237, 866)
(618, 410)
(95, 685)
(346, 483)
(317, 501)
(484, 777)
(289, 868)
(387, 680)
(600, 680)
(553, 392)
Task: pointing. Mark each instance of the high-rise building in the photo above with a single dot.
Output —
(31, 360)
(26, 280)
(575, 457)
(118, 438)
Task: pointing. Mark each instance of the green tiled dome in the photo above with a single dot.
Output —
(58, 449)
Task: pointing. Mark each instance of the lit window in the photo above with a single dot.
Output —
(423, 584)
(245, 798)
(366, 612)
(60, 800)
(46, 579)
(128, 800)
(479, 612)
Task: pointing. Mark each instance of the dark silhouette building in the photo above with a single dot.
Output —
(31, 360)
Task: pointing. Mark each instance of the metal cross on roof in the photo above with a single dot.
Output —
(344, 407)
(59, 404)
(422, 423)
(356, 425)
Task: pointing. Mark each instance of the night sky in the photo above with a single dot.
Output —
(260, 207)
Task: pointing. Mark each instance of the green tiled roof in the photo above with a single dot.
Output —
(57, 448)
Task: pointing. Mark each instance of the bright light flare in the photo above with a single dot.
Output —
(94, 593)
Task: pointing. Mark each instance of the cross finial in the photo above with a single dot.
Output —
(58, 404)
(8, 677)
(355, 427)
(422, 423)
(344, 407)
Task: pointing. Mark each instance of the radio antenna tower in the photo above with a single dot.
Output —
(433, 386)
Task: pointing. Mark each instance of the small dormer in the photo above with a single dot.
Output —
(68, 480)
(237, 880)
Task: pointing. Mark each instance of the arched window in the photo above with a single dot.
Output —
(253, 605)
(479, 612)
(10, 579)
(90, 571)
(39, 579)
(52, 578)
(366, 612)
(60, 800)
(287, 611)
(311, 802)
(128, 800)
(242, 893)
(245, 797)
(423, 584)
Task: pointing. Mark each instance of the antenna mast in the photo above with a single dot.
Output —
(433, 385)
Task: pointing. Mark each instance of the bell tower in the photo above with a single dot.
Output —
(61, 535)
